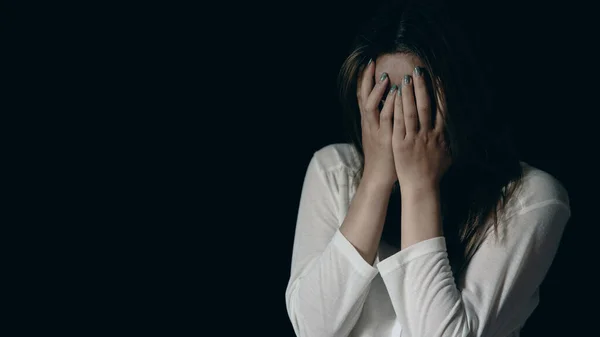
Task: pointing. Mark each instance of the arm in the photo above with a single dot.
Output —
(499, 288)
(421, 215)
(497, 292)
(364, 223)
(330, 278)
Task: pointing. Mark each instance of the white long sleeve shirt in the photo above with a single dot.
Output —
(334, 292)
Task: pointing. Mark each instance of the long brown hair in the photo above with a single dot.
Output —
(486, 170)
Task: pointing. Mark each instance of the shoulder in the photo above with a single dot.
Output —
(338, 157)
(538, 188)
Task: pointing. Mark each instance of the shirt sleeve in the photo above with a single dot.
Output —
(497, 292)
(329, 279)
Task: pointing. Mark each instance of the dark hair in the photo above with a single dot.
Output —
(485, 168)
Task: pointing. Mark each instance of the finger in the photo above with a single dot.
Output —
(387, 112)
(440, 111)
(411, 118)
(422, 99)
(399, 128)
(361, 70)
(365, 84)
(372, 103)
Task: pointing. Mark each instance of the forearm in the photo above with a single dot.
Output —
(421, 215)
(334, 286)
(363, 224)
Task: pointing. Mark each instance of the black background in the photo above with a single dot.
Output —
(178, 137)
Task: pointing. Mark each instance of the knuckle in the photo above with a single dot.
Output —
(401, 143)
(377, 88)
(386, 117)
(369, 107)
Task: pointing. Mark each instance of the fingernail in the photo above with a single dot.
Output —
(406, 79)
(383, 77)
(370, 61)
(399, 91)
(394, 87)
(418, 71)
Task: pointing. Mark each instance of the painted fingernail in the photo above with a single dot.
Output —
(418, 71)
(394, 87)
(406, 79)
(400, 91)
(370, 61)
(383, 77)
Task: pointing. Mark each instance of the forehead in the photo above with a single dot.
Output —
(397, 65)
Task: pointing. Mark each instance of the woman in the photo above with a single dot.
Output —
(427, 224)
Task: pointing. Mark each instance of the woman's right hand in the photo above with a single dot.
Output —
(379, 167)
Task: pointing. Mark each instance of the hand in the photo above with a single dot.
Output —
(421, 153)
(376, 127)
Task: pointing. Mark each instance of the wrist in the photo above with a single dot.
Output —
(420, 190)
(373, 184)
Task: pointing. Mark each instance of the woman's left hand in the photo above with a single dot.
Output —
(421, 155)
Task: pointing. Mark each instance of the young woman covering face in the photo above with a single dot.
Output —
(426, 224)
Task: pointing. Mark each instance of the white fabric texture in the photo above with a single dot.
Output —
(334, 292)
